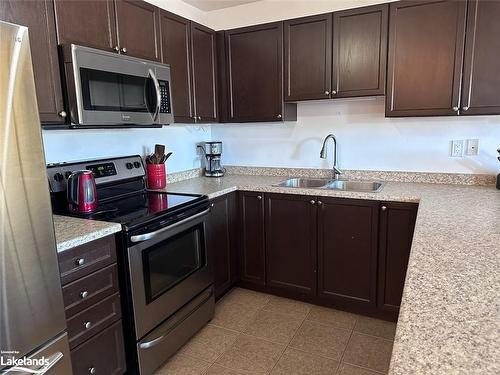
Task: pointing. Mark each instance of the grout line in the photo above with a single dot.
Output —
(373, 336)
(364, 368)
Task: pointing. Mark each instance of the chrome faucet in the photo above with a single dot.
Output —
(322, 155)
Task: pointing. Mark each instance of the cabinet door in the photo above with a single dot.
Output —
(221, 242)
(359, 51)
(397, 222)
(255, 73)
(347, 251)
(308, 57)
(89, 23)
(137, 24)
(426, 45)
(251, 233)
(481, 85)
(203, 62)
(291, 243)
(176, 51)
(38, 16)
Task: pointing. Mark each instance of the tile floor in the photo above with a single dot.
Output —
(256, 333)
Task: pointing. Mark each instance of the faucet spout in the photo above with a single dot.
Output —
(322, 154)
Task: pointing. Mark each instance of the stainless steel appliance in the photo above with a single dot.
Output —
(166, 277)
(213, 152)
(107, 89)
(32, 320)
(82, 192)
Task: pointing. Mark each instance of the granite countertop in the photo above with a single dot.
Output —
(72, 231)
(449, 321)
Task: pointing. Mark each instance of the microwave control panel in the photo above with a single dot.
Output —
(165, 97)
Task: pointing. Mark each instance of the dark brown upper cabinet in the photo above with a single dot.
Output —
(204, 73)
(397, 223)
(481, 77)
(426, 46)
(88, 23)
(291, 243)
(137, 26)
(347, 251)
(308, 57)
(252, 256)
(38, 16)
(254, 66)
(176, 51)
(359, 52)
(126, 26)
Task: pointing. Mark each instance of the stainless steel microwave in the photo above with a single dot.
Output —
(105, 89)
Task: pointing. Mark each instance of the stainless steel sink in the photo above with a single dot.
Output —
(364, 186)
(323, 183)
(304, 183)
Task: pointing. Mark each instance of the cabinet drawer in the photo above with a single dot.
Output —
(87, 323)
(104, 353)
(89, 290)
(82, 260)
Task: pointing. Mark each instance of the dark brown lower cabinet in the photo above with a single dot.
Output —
(222, 242)
(251, 237)
(397, 222)
(291, 243)
(347, 251)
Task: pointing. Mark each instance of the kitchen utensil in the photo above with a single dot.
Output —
(82, 192)
(157, 176)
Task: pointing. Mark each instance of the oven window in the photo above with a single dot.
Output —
(108, 91)
(169, 262)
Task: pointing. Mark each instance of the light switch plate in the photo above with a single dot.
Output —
(472, 147)
(457, 149)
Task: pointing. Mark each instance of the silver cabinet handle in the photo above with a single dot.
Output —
(87, 325)
(455, 109)
(320, 203)
(212, 204)
(465, 108)
(84, 294)
(334, 92)
(327, 92)
(198, 118)
(117, 49)
(158, 93)
(62, 114)
(80, 262)
(259, 197)
(383, 208)
(92, 370)
(148, 236)
(312, 201)
(124, 50)
(279, 116)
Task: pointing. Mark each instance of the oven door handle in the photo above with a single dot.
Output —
(158, 93)
(148, 236)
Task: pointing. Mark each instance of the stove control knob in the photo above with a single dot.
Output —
(129, 165)
(137, 164)
(58, 177)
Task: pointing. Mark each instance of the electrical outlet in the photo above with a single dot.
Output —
(457, 149)
(472, 147)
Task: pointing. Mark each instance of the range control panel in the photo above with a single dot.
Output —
(104, 170)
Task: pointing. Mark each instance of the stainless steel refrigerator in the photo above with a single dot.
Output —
(32, 322)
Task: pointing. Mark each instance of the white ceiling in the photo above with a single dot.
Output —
(209, 5)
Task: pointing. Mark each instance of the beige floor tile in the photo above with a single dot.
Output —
(233, 315)
(273, 326)
(296, 362)
(337, 318)
(375, 327)
(219, 370)
(209, 343)
(288, 306)
(247, 297)
(183, 365)
(368, 351)
(252, 355)
(315, 338)
(346, 369)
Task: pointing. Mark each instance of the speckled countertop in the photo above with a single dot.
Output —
(449, 321)
(72, 231)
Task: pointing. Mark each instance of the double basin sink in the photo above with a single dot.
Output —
(343, 185)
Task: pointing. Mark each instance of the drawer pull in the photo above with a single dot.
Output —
(92, 370)
(84, 294)
(87, 325)
(80, 262)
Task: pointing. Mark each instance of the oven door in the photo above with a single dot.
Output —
(167, 271)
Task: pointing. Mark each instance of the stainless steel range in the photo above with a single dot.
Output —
(166, 279)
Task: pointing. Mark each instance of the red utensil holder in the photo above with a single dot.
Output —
(157, 176)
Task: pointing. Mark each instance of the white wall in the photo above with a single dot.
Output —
(366, 140)
(68, 145)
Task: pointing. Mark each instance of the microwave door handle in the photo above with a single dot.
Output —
(158, 94)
